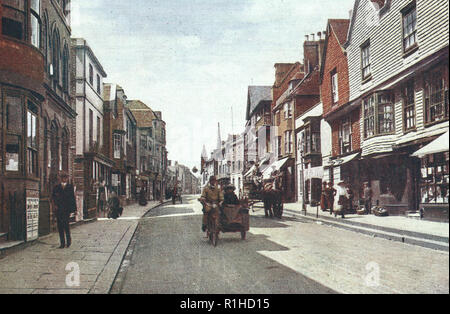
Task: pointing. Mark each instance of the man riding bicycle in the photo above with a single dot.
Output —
(212, 195)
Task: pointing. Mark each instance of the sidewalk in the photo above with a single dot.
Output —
(429, 234)
(97, 250)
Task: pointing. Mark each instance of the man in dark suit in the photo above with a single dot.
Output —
(64, 203)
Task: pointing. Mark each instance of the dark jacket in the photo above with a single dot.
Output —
(230, 199)
(64, 199)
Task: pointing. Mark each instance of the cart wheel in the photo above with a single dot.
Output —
(243, 235)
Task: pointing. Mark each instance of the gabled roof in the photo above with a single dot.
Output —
(257, 95)
(309, 85)
(144, 115)
(340, 29)
(382, 11)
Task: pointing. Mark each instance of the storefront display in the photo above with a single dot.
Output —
(435, 179)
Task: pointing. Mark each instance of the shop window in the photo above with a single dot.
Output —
(409, 106)
(345, 136)
(435, 179)
(436, 96)
(12, 153)
(13, 113)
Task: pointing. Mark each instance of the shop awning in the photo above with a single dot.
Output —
(345, 159)
(439, 145)
(250, 171)
(277, 165)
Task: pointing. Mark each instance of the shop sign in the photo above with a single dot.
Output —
(32, 215)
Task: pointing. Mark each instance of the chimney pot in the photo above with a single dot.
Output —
(307, 37)
(313, 37)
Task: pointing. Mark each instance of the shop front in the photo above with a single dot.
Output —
(434, 179)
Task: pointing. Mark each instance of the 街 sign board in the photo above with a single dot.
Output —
(32, 215)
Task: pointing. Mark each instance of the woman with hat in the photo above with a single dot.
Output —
(342, 197)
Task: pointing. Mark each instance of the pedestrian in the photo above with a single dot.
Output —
(324, 196)
(64, 204)
(102, 196)
(115, 210)
(351, 197)
(342, 197)
(367, 196)
(331, 192)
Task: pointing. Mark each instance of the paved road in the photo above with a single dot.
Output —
(169, 254)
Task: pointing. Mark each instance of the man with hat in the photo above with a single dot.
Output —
(211, 195)
(64, 204)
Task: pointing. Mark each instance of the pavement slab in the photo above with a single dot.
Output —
(97, 251)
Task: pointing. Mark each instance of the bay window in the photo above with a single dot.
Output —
(35, 23)
(32, 146)
(385, 113)
(311, 137)
(379, 114)
(13, 19)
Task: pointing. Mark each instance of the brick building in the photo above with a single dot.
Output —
(37, 110)
(146, 169)
(286, 76)
(342, 116)
(119, 135)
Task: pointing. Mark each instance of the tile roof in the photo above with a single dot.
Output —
(256, 95)
(143, 114)
(340, 28)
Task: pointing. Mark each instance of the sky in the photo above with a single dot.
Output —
(194, 59)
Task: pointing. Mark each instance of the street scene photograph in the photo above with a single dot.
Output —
(224, 154)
